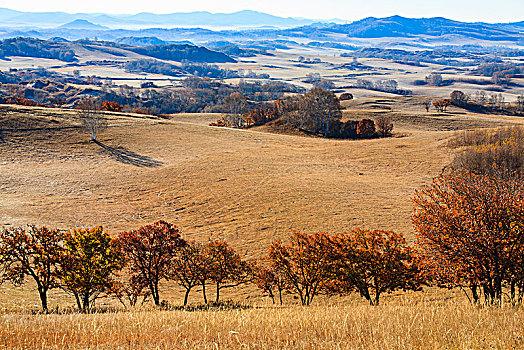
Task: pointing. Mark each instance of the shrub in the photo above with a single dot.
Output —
(384, 126)
(366, 128)
(483, 151)
(111, 106)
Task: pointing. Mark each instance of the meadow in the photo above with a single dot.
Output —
(249, 187)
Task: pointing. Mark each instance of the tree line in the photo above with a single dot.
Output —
(470, 235)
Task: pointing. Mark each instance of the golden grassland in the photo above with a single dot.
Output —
(429, 320)
(250, 187)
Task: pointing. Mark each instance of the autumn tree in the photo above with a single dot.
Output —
(384, 126)
(227, 267)
(269, 280)
(88, 267)
(373, 263)
(305, 264)
(475, 223)
(442, 105)
(187, 267)
(150, 252)
(34, 253)
(111, 106)
(129, 290)
(366, 128)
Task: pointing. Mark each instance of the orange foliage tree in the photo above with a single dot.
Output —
(442, 105)
(227, 267)
(471, 232)
(188, 266)
(373, 263)
(111, 106)
(34, 253)
(366, 128)
(305, 264)
(150, 252)
(267, 279)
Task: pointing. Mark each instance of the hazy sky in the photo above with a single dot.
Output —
(469, 10)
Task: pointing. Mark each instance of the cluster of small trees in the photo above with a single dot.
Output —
(317, 112)
(385, 85)
(369, 262)
(500, 73)
(89, 264)
(29, 47)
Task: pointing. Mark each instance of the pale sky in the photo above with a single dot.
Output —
(465, 10)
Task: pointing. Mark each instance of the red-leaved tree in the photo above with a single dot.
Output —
(471, 232)
(305, 264)
(150, 252)
(34, 253)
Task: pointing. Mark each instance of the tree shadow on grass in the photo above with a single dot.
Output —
(126, 156)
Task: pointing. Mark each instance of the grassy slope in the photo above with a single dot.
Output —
(250, 187)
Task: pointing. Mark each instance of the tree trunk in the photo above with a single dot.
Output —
(218, 293)
(155, 294)
(43, 299)
(204, 292)
(280, 295)
(77, 298)
(377, 299)
(186, 296)
(328, 120)
(85, 302)
(475, 293)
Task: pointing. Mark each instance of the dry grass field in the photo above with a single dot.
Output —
(250, 187)
(422, 321)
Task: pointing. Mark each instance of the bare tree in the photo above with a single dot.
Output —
(236, 105)
(427, 104)
(520, 105)
(92, 120)
(317, 109)
(384, 126)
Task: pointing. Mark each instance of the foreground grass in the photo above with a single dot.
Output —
(401, 324)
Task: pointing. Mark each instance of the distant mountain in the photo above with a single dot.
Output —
(241, 18)
(7, 13)
(82, 24)
(148, 41)
(397, 26)
(245, 18)
(145, 29)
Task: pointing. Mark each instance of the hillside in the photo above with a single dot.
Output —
(397, 26)
(64, 50)
(250, 187)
